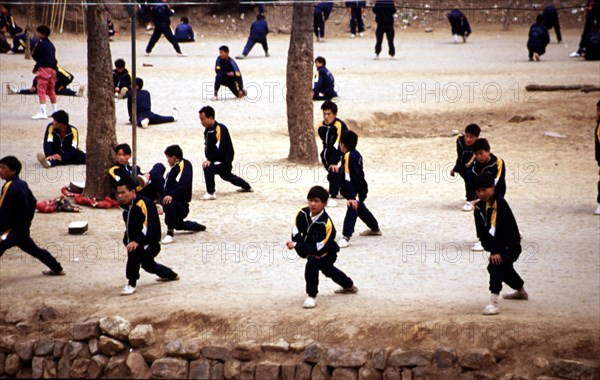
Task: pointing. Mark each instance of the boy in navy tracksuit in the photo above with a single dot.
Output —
(597, 146)
(539, 38)
(121, 79)
(219, 153)
(499, 234)
(142, 236)
(12, 28)
(354, 189)
(258, 34)
(145, 116)
(44, 55)
(313, 238)
(17, 208)
(356, 19)
(161, 15)
(184, 32)
(178, 194)
(551, 20)
(464, 160)
(228, 74)
(330, 130)
(150, 185)
(61, 143)
(459, 24)
(321, 13)
(384, 17)
(324, 84)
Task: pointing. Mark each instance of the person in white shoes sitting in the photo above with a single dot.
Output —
(61, 143)
(499, 235)
(142, 236)
(145, 116)
(313, 238)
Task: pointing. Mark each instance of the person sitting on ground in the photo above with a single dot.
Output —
(121, 79)
(61, 143)
(184, 32)
(4, 45)
(63, 79)
(324, 85)
(145, 116)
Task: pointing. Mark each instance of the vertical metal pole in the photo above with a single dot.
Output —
(133, 91)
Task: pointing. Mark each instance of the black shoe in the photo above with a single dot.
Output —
(160, 279)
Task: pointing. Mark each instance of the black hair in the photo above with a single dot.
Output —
(482, 181)
(598, 104)
(128, 182)
(43, 29)
(318, 192)
(225, 48)
(13, 163)
(260, 16)
(208, 111)
(139, 82)
(539, 19)
(61, 116)
(473, 129)
(330, 106)
(120, 63)
(481, 144)
(174, 151)
(124, 147)
(185, 20)
(350, 139)
(321, 60)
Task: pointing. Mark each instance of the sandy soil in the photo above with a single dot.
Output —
(419, 283)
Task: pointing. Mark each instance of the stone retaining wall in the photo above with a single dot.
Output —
(112, 347)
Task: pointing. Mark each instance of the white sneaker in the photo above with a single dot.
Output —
(39, 116)
(331, 202)
(310, 303)
(214, 98)
(376, 57)
(128, 290)
(145, 123)
(242, 16)
(344, 242)
(468, 206)
(42, 159)
(182, 55)
(597, 212)
(149, 27)
(352, 35)
(10, 89)
(175, 113)
(575, 54)
(209, 197)
(361, 34)
(393, 58)
(490, 310)
(456, 38)
(477, 247)
(81, 90)
(536, 56)
(168, 239)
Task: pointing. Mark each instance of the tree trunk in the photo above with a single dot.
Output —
(29, 29)
(303, 147)
(101, 131)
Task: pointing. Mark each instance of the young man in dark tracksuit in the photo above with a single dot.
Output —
(121, 79)
(459, 24)
(17, 208)
(551, 20)
(142, 236)
(61, 143)
(464, 160)
(258, 34)
(150, 185)
(161, 16)
(321, 13)
(330, 130)
(499, 234)
(539, 38)
(44, 55)
(313, 238)
(184, 32)
(384, 17)
(487, 162)
(356, 19)
(597, 146)
(178, 194)
(592, 20)
(324, 83)
(145, 116)
(354, 189)
(12, 28)
(228, 74)
(219, 153)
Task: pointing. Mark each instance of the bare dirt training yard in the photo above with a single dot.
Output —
(420, 285)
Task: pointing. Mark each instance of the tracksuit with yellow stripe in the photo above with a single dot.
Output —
(178, 185)
(464, 161)
(497, 167)
(152, 190)
(143, 227)
(64, 144)
(330, 155)
(17, 208)
(315, 241)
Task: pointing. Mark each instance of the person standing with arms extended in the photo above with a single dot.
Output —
(161, 15)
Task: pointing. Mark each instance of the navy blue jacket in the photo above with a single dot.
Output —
(161, 14)
(11, 24)
(17, 207)
(217, 144)
(465, 155)
(121, 80)
(324, 82)
(44, 54)
(384, 12)
(143, 102)
(313, 238)
(67, 145)
(539, 37)
(118, 172)
(178, 183)
(224, 66)
(459, 23)
(141, 222)
(330, 136)
(354, 185)
(259, 30)
(496, 226)
(184, 32)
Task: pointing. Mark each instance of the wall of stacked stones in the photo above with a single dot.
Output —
(112, 347)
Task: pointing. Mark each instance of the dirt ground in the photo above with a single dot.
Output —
(420, 285)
